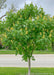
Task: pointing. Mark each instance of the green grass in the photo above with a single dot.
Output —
(2, 51)
(7, 51)
(44, 52)
(23, 71)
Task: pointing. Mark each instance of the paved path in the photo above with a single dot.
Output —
(41, 60)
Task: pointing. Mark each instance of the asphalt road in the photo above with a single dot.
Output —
(41, 60)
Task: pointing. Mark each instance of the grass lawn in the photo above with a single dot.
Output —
(2, 51)
(7, 51)
(23, 71)
(44, 52)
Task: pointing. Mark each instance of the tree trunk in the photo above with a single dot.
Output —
(52, 45)
(29, 66)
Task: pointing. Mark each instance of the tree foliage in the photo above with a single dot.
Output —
(53, 37)
(26, 29)
(1, 32)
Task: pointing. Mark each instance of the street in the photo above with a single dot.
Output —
(41, 60)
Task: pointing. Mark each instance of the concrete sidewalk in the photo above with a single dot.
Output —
(41, 60)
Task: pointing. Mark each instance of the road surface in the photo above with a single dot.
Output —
(41, 60)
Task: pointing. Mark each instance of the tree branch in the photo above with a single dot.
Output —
(2, 16)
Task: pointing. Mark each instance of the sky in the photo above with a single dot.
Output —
(47, 5)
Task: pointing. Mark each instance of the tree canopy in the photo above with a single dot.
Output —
(27, 30)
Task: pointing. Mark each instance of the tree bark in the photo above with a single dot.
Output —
(29, 66)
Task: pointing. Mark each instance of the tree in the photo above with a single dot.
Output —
(25, 29)
(2, 6)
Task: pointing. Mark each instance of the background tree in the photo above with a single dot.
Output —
(25, 29)
(2, 6)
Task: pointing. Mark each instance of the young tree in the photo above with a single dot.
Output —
(25, 29)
